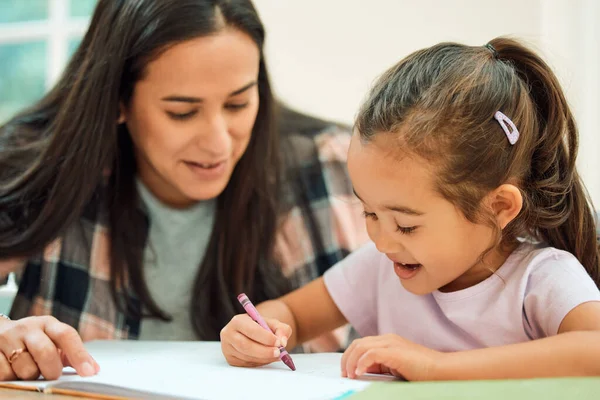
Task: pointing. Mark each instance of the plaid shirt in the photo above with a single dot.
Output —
(71, 279)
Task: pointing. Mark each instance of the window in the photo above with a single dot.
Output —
(36, 39)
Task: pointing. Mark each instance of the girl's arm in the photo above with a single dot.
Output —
(309, 311)
(306, 313)
(575, 351)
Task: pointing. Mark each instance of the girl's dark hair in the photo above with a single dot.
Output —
(441, 102)
(54, 156)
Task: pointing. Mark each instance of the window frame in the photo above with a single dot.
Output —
(57, 31)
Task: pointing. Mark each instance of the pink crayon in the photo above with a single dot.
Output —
(253, 313)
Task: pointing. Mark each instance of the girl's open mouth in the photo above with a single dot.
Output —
(406, 271)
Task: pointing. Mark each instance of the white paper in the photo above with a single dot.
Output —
(198, 370)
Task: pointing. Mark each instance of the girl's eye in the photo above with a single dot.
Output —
(371, 215)
(236, 106)
(181, 117)
(406, 230)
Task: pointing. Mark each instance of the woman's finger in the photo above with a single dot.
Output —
(16, 353)
(67, 339)
(23, 364)
(6, 371)
(44, 353)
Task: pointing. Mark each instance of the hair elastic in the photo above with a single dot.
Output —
(492, 49)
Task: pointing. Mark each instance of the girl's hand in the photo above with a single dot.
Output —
(390, 354)
(247, 344)
(35, 346)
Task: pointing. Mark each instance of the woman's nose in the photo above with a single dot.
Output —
(214, 134)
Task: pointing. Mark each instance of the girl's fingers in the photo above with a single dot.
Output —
(357, 349)
(246, 347)
(250, 360)
(282, 331)
(244, 324)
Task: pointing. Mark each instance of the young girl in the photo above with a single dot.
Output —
(484, 262)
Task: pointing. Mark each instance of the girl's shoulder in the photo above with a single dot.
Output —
(537, 256)
(541, 266)
(552, 282)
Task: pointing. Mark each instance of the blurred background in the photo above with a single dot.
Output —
(324, 54)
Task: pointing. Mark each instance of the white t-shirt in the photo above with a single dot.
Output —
(526, 299)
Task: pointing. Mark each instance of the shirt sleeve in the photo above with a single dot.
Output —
(555, 287)
(352, 284)
(328, 225)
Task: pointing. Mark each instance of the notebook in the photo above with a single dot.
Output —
(198, 370)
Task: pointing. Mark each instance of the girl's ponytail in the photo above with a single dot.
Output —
(557, 208)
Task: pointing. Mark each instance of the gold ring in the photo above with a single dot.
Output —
(15, 354)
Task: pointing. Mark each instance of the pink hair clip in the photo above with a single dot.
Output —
(502, 119)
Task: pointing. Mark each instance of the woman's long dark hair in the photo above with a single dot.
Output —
(54, 157)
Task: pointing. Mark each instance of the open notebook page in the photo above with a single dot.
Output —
(197, 370)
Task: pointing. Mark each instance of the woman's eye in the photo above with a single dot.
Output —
(181, 116)
(236, 106)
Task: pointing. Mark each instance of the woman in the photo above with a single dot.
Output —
(150, 186)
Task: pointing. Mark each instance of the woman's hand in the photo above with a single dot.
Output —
(246, 344)
(36, 346)
(390, 354)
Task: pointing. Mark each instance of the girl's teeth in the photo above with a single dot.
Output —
(410, 266)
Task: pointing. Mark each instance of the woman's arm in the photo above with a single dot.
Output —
(309, 311)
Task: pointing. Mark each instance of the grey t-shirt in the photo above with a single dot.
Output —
(176, 245)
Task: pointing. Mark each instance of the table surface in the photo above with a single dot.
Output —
(546, 389)
(25, 395)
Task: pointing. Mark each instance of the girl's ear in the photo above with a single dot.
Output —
(506, 202)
